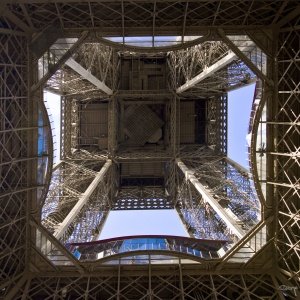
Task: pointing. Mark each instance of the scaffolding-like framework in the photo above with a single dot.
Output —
(61, 45)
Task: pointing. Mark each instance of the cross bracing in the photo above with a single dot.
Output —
(32, 256)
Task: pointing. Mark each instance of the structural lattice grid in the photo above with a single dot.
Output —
(198, 216)
(85, 72)
(16, 155)
(66, 82)
(229, 186)
(70, 182)
(177, 284)
(287, 152)
(231, 77)
(88, 223)
(286, 185)
(187, 63)
(141, 197)
(79, 17)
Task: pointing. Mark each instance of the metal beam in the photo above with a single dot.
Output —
(88, 76)
(12, 293)
(208, 72)
(60, 62)
(185, 224)
(82, 201)
(4, 10)
(239, 53)
(207, 197)
(240, 168)
(293, 14)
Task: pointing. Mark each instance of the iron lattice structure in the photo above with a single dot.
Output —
(68, 47)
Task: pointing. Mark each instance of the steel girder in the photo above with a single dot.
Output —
(152, 283)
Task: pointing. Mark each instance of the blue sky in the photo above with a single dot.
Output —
(167, 222)
(52, 102)
(137, 222)
(239, 108)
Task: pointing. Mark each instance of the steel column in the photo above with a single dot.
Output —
(228, 219)
(58, 233)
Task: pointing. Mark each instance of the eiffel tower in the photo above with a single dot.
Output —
(144, 87)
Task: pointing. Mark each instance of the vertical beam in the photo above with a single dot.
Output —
(112, 125)
(222, 116)
(25, 292)
(82, 201)
(181, 281)
(149, 276)
(174, 126)
(214, 290)
(86, 294)
(66, 127)
(271, 99)
(16, 288)
(207, 197)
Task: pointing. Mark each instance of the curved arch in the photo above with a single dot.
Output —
(47, 126)
(164, 253)
(259, 88)
(114, 248)
(124, 47)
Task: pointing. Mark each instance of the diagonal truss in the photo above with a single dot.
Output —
(83, 72)
(226, 216)
(207, 72)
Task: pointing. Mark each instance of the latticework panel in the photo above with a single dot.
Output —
(190, 62)
(69, 126)
(100, 60)
(70, 185)
(199, 218)
(233, 76)
(232, 189)
(251, 51)
(67, 82)
(88, 223)
(160, 14)
(217, 123)
(24, 164)
(65, 126)
(140, 124)
(141, 197)
(287, 152)
(14, 179)
(178, 284)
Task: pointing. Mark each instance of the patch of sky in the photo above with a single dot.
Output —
(239, 109)
(149, 41)
(143, 222)
(53, 105)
